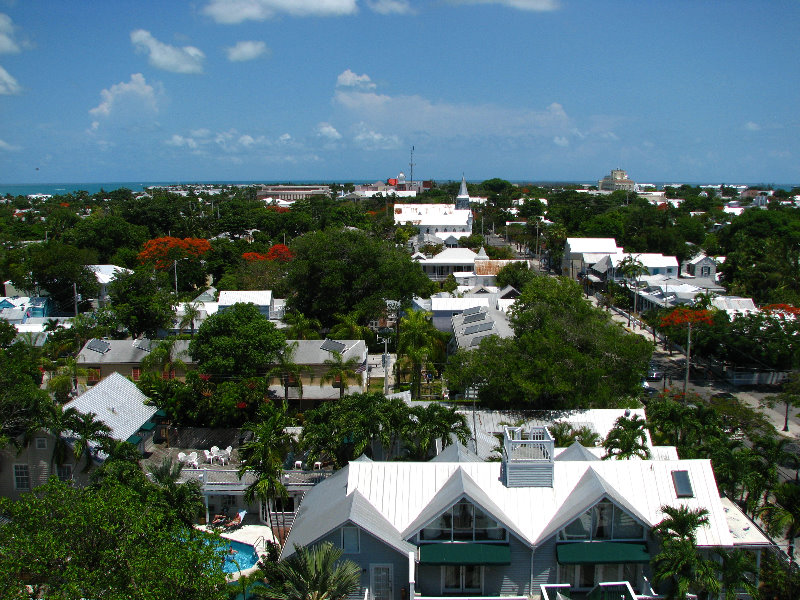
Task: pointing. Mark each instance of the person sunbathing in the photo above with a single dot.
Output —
(219, 519)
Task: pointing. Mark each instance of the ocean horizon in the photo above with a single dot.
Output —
(55, 189)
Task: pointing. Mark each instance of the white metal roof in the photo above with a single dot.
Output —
(453, 304)
(452, 256)
(402, 491)
(257, 297)
(431, 214)
(600, 245)
(118, 403)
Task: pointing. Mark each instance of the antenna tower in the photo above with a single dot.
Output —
(411, 165)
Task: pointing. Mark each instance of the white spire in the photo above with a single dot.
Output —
(462, 192)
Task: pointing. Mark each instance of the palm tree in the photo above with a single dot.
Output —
(782, 515)
(789, 397)
(263, 456)
(737, 573)
(59, 422)
(184, 499)
(164, 358)
(678, 563)
(301, 327)
(289, 372)
(348, 328)
(191, 312)
(628, 438)
(89, 430)
(340, 371)
(681, 523)
(315, 573)
(434, 422)
(632, 268)
(64, 380)
(419, 341)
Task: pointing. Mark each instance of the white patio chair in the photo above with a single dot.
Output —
(192, 460)
(229, 450)
(223, 457)
(209, 456)
(182, 457)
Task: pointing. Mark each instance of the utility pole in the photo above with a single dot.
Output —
(411, 167)
(385, 341)
(75, 296)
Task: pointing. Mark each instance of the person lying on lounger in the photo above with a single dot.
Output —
(219, 519)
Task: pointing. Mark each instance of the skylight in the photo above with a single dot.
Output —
(682, 483)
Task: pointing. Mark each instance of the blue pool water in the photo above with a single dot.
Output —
(245, 556)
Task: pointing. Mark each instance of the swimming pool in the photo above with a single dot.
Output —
(244, 557)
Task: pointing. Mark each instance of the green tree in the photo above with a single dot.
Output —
(430, 423)
(301, 327)
(627, 439)
(236, 342)
(119, 545)
(782, 513)
(515, 274)
(789, 397)
(288, 372)
(185, 500)
(632, 268)
(340, 372)
(164, 358)
(191, 313)
(737, 574)
(341, 271)
(315, 573)
(421, 343)
(350, 328)
(141, 301)
(91, 434)
(263, 456)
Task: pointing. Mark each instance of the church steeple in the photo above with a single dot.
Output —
(462, 200)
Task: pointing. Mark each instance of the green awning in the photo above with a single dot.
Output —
(582, 553)
(134, 439)
(160, 413)
(467, 553)
(149, 426)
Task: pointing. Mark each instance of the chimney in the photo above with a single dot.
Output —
(527, 457)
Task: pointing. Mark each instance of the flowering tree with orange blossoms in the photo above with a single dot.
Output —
(253, 256)
(280, 252)
(686, 316)
(164, 250)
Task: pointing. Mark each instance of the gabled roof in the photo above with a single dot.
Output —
(257, 297)
(118, 403)
(590, 490)
(460, 485)
(456, 453)
(576, 452)
(452, 256)
(311, 352)
(352, 508)
(108, 352)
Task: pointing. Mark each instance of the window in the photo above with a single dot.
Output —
(22, 477)
(41, 443)
(136, 373)
(351, 540)
(682, 484)
(64, 472)
(93, 376)
(705, 271)
(604, 521)
(463, 522)
(462, 578)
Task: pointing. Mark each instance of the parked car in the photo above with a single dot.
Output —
(654, 373)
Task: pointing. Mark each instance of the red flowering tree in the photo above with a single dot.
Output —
(684, 316)
(253, 256)
(164, 250)
(280, 253)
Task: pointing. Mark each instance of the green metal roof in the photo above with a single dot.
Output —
(134, 439)
(160, 413)
(582, 553)
(464, 553)
(149, 426)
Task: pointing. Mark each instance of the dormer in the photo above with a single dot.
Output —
(528, 457)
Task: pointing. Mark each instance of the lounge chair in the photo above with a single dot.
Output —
(209, 456)
(235, 521)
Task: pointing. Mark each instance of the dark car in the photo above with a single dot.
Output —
(654, 373)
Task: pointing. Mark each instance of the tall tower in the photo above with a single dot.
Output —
(462, 200)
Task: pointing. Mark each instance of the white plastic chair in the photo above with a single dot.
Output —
(228, 451)
(182, 457)
(192, 460)
(209, 456)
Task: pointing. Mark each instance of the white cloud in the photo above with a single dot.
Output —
(135, 95)
(229, 144)
(529, 5)
(372, 140)
(7, 43)
(169, 58)
(416, 115)
(390, 7)
(560, 140)
(248, 50)
(328, 131)
(8, 147)
(751, 126)
(179, 141)
(350, 79)
(285, 137)
(238, 11)
(8, 85)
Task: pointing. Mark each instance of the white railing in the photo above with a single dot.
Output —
(556, 587)
(533, 444)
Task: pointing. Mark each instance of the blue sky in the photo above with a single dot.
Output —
(341, 90)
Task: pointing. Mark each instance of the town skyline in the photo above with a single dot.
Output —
(525, 89)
